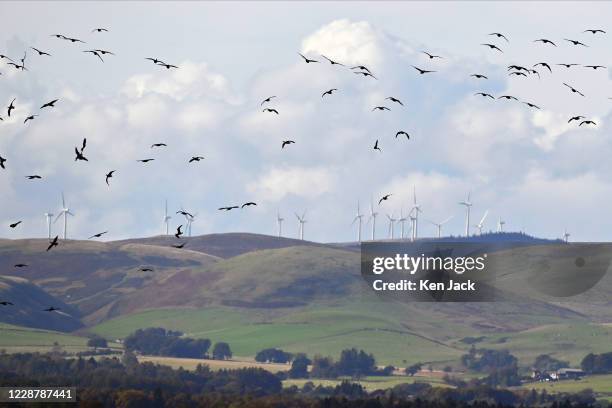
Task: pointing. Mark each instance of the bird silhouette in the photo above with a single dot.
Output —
(250, 203)
(268, 99)
(49, 104)
(568, 65)
(2, 56)
(507, 97)
(492, 46)
(51, 309)
(20, 265)
(380, 108)
(422, 71)
(98, 235)
(196, 159)
(594, 31)
(500, 35)
(15, 224)
(155, 60)
(6, 303)
(576, 118)
(392, 99)
(545, 41)
(485, 95)
(531, 105)
(11, 107)
(179, 246)
(228, 208)
(99, 30)
(185, 213)
(376, 147)
(384, 198)
(96, 53)
(145, 269)
(574, 90)
(145, 160)
(179, 232)
(104, 52)
(40, 53)
(2, 161)
(401, 132)
(575, 42)
(431, 56)
(53, 243)
(331, 61)
(331, 91)
(517, 67)
(79, 153)
(517, 73)
(167, 66)
(29, 118)
(361, 67)
(271, 110)
(479, 76)
(543, 64)
(73, 40)
(307, 60)
(595, 67)
(366, 74)
(158, 145)
(34, 177)
(109, 175)
(587, 122)
(286, 142)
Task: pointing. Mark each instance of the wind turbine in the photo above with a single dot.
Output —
(372, 218)
(417, 209)
(440, 224)
(279, 221)
(481, 223)
(412, 225)
(190, 220)
(391, 225)
(49, 216)
(301, 221)
(359, 218)
(65, 211)
(167, 218)
(402, 221)
(468, 205)
(566, 236)
(500, 225)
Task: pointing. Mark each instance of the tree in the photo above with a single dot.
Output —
(97, 342)
(356, 363)
(129, 359)
(221, 351)
(413, 369)
(299, 366)
(272, 355)
(544, 362)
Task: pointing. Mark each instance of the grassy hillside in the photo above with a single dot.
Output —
(23, 339)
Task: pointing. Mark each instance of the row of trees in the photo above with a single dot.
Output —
(161, 342)
(597, 363)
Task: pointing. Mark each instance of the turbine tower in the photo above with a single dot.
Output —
(279, 222)
(402, 220)
(65, 211)
(500, 225)
(468, 205)
(372, 218)
(167, 219)
(359, 218)
(412, 225)
(190, 220)
(566, 236)
(49, 216)
(391, 225)
(481, 223)
(301, 221)
(417, 209)
(440, 224)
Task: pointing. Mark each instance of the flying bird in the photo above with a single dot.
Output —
(34, 177)
(492, 46)
(5, 303)
(543, 64)
(595, 67)
(2, 161)
(576, 118)
(11, 107)
(53, 243)
(331, 91)
(531, 105)
(146, 269)
(2, 56)
(594, 31)
(49, 104)
(574, 90)
(507, 97)
(422, 71)
(384, 198)
(145, 160)
(479, 76)
(376, 146)
(331, 61)
(517, 73)
(545, 41)
(51, 309)
(380, 108)
(15, 224)
(96, 53)
(250, 203)
(155, 60)
(361, 67)
(40, 53)
(307, 60)
(485, 95)
(287, 142)
(184, 213)
(179, 246)
(575, 42)
(20, 265)
(98, 235)
(178, 232)
(31, 117)
(268, 99)
(79, 153)
(500, 35)
(104, 52)
(392, 99)
(168, 66)
(271, 110)
(587, 122)
(229, 208)
(196, 159)
(73, 40)
(99, 30)
(109, 175)
(431, 56)
(568, 65)
(158, 145)
(401, 132)
(366, 74)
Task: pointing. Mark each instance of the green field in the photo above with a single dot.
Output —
(15, 338)
(373, 383)
(601, 384)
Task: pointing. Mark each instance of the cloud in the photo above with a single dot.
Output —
(276, 183)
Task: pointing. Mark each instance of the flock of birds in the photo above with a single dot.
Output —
(360, 70)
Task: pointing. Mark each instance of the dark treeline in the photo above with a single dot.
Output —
(597, 363)
(162, 342)
(109, 382)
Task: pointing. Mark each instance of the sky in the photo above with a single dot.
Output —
(526, 166)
